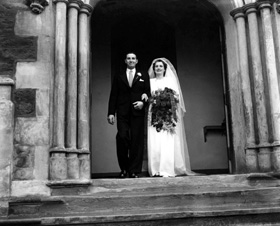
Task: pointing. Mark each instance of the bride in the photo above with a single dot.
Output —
(167, 147)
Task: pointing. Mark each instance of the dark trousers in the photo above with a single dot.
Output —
(130, 143)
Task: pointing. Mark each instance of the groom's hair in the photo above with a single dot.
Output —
(130, 53)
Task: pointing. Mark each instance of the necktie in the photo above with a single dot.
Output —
(130, 80)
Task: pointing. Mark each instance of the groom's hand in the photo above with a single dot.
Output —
(138, 105)
(111, 119)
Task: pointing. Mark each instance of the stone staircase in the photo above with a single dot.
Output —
(248, 199)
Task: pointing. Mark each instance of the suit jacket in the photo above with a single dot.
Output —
(123, 96)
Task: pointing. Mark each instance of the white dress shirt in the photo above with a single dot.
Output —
(127, 72)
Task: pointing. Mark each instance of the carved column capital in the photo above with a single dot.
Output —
(86, 8)
(238, 12)
(250, 8)
(75, 4)
(261, 4)
(57, 1)
(277, 6)
(37, 6)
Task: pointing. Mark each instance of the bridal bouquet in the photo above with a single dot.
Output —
(163, 105)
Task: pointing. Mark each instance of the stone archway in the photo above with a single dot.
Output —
(248, 151)
(58, 153)
(102, 74)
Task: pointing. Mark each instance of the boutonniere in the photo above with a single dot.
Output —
(139, 74)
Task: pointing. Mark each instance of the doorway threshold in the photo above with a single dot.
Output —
(149, 185)
(115, 175)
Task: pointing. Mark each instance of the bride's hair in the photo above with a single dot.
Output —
(164, 65)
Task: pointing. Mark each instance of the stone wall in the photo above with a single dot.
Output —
(13, 48)
(26, 55)
(32, 96)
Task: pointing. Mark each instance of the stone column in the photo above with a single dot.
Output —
(271, 73)
(58, 164)
(276, 32)
(83, 92)
(6, 135)
(264, 161)
(251, 154)
(71, 115)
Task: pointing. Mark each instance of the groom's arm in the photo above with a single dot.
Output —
(147, 89)
(138, 105)
(112, 105)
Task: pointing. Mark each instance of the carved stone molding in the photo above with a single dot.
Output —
(264, 4)
(75, 4)
(238, 12)
(254, 7)
(86, 8)
(250, 8)
(37, 6)
(278, 6)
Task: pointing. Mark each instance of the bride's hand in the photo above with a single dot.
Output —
(144, 97)
(138, 105)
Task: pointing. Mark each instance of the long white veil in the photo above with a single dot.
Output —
(173, 83)
(171, 74)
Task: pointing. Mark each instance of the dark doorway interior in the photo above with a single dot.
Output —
(147, 37)
(189, 34)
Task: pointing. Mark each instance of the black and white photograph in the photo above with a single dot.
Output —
(140, 112)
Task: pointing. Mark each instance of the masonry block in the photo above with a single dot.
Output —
(25, 102)
(13, 48)
(23, 162)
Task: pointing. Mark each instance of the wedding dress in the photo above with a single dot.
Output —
(168, 152)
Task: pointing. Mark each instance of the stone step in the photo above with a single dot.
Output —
(178, 201)
(189, 184)
(241, 217)
(176, 218)
(108, 204)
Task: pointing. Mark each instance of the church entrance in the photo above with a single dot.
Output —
(190, 35)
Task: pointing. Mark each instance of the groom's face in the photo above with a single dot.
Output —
(131, 60)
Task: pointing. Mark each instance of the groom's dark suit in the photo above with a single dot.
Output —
(130, 121)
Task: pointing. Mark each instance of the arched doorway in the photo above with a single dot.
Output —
(190, 35)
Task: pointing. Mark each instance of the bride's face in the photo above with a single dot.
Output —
(159, 68)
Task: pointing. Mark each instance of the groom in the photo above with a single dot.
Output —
(129, 94)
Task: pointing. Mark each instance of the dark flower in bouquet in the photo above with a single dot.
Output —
(163, 110)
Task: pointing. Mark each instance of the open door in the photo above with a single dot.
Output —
(189, 36)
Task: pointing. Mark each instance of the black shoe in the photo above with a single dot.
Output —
(122, 175)
(134, 175)
(157, 175)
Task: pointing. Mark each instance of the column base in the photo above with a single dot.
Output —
(84, 166)
(276, 159)
(57, 150)
(264, 159)
(73, 165)
(251, 160)
(58, 166)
